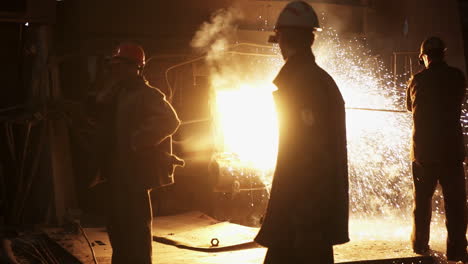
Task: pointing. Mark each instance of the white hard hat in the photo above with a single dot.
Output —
(298, 14)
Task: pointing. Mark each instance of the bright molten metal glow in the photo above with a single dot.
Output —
(248, 125)
(378, 142)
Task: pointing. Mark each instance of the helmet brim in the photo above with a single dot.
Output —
(274, 39)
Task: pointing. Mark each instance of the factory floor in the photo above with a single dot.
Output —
(196, 231)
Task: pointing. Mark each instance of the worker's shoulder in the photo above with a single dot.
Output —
(150, 91)
(457, 72)
(428, 76)
(319, 73)
(415, 78)
(322, 72)
(441, 68)
(421, 74)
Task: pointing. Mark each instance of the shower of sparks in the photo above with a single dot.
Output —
(378, 142)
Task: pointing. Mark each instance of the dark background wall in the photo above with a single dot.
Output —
(83, 32)
(424, 18)
(463, 7)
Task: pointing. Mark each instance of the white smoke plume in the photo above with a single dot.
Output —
(214, 36)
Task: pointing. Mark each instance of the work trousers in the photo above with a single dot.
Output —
(129, 220)
(310, 254)
(451, 177)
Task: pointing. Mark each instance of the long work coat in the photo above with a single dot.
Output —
(140, 120)
(137, 119)
(309, 195)
(435, 97)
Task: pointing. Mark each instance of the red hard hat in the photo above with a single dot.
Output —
(130, 52)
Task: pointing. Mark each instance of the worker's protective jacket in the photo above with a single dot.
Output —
(142, 123)
(435, 96)
(309, 195)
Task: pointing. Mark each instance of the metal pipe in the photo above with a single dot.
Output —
(405, 52)
(377, 110)
(195, 121)
(89, 243)
(166, 74)
(394, 69)
(252, 54)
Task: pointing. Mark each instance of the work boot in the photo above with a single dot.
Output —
(421, 250)
(458, 258)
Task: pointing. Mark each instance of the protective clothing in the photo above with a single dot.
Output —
(298, 14)
(435, 97)
(309, 197)
(138, 123)
(451, 177)
(144, 120)
(129, 224)
(130, 52)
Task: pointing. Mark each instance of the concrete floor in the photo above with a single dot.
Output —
(196, 229)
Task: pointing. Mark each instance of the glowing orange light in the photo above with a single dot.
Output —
(247, 124)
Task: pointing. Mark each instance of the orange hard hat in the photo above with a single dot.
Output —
(130, 52)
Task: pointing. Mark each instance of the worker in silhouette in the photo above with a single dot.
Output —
(136, 122)
(308, 209)
(435, 97)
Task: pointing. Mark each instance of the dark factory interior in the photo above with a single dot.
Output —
(212, 61)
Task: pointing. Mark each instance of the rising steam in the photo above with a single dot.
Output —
(214, 37)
